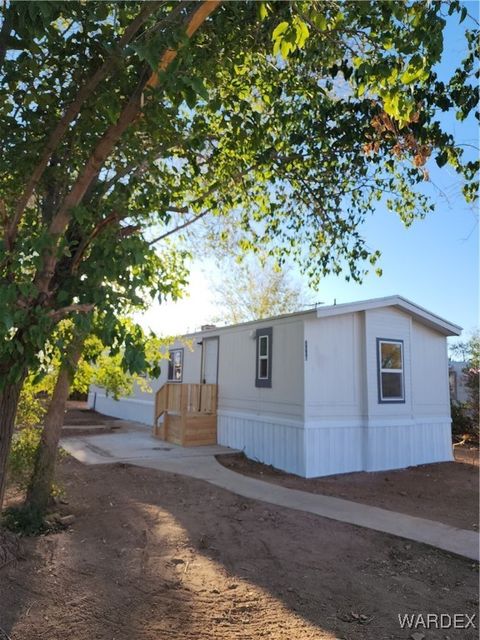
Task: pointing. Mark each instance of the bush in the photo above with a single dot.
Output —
(24, 520)
(22, 455)
(30, 521)
(21, 460)
(463, 425)
(31, 409)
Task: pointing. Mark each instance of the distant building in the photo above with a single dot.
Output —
(456, 378)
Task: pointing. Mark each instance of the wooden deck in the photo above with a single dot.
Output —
(186, 414)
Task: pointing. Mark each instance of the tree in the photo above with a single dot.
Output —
(123, 123)
(467, 414)
(98, 367)
(256, 289)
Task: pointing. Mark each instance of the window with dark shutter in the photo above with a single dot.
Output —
(263, 373)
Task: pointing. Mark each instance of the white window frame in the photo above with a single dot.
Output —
(381, 370)
(261, 357)
(264, 381)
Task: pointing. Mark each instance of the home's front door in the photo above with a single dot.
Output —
(210, 360)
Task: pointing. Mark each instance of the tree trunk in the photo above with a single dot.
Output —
(40, 487)
(8, 411)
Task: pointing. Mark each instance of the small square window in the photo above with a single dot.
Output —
(390, 371)
(263, 348)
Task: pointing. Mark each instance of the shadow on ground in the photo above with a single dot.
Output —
(154, 555)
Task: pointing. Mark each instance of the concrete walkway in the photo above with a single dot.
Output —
(134, 445)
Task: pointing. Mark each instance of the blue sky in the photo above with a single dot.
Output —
(435, 262)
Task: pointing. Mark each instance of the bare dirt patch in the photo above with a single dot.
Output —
(157, 556)
(468, 455)
(447, 492)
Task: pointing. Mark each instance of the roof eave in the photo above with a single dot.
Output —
(427, 318)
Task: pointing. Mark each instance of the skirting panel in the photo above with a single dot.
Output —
(280, 445)
(399, 446)
(125, 408)
(332, 450)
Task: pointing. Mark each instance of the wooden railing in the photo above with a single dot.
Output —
(189, 413)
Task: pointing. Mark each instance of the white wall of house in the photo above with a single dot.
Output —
(416, 431)
(346, 427)
(334, 394)
(136, 408)
(266, 423)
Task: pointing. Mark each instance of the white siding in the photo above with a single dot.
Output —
(416, 431)
(132, 408)
(334, 394)
(237, 365)
(271, 441)
(265, 423)
(333, 369)
(429, 372)
(333, 447)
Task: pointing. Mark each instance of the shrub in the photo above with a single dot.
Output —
(463, 425)
(22, 457)
(31, 409)
(24, 520)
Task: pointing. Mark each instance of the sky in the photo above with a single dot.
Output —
(434, 263)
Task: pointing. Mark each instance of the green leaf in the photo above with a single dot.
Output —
(198, 86)
(320, 21)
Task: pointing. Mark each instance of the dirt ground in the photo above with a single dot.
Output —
(447, 491)
(157, 556)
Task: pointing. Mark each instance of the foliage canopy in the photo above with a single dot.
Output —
(124, 122)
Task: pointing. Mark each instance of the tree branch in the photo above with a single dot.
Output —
(82, 247)
(69, 116)
(180, 226)
(58, 314)
(4, 35)
(107, 143)
(193, 24)
(208, 192)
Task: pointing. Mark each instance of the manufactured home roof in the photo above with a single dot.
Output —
(419, 313)
(398, 302)
(304, 312)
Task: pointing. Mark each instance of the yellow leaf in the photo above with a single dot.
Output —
(279, 29)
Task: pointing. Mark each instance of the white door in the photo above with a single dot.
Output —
(210, 361)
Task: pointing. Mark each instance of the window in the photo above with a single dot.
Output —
(263, 375)
(390, 371)
(175, 365)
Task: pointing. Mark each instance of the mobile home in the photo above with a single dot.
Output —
(341, 388)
